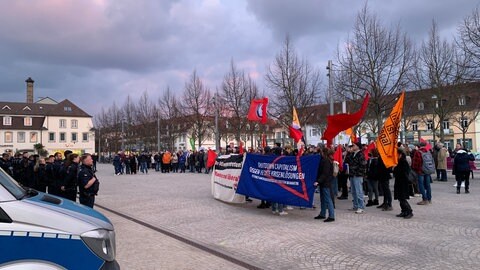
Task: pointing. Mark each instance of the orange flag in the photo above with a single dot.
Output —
(353, 136)
(388, 137)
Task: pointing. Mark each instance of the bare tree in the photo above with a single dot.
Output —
(469, 39)
(197, 102)
(294, 83)
(375, 61)
(146, 114)
(439, 65)
(237, 92)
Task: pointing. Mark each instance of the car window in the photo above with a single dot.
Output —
(11, 185)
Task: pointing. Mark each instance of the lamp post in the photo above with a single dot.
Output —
(217, 141)
(123, 135)
(158, 131)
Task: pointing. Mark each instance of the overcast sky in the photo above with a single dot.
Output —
(94, 52)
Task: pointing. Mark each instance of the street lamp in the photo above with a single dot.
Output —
(217, 141)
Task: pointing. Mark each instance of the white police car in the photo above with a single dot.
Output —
(43, 232)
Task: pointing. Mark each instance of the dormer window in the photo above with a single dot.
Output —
(67, 108)
(27, 108)
(462, 101)
(7, 120)
(6, 108)
(27, 121)
(421, 106)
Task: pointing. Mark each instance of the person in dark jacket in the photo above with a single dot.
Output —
(70, 182)
(87, 182)
(401, 189)
(461, 169)
(324, 180)
(356, 170)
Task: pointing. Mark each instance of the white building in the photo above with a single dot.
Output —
(58, 126)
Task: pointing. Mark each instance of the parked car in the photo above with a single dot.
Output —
(45, 232)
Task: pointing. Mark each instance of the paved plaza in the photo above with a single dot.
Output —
(443, 235)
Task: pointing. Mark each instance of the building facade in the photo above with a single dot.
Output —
(57, 126)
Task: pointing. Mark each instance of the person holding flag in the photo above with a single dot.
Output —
(296, 133)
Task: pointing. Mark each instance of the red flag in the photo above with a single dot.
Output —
(264, 140)
(428, 146)
(258, 110)
(342, 121)
(338, 156)
(371, 146)
(295, 134)
(211, 158)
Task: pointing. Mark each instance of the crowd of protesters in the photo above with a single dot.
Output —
(181, 161)
(364, 174)
(62, 175)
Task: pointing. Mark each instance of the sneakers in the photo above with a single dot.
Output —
(275, 212)
(319, 217)
(283, 213)
(329, 219)
(408, 216)
(359, 211)
(289, 208)
(424, 202)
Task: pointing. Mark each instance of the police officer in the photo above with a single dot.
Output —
(58, 175)
(5, 163)
(87, 181)
(69, 185)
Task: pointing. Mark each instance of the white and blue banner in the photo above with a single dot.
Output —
(281, 179)
(225, 177)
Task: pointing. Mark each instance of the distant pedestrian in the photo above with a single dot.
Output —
(423, 164)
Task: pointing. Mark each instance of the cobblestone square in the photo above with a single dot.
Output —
(443, 235)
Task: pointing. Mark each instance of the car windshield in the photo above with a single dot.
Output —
(11, 185)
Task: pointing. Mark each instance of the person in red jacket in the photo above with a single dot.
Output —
(424, 178)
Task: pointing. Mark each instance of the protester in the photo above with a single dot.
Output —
(356, 163)
(424, 166)
(372, 177)
(441, 162)
(324, 181)
(401, 186)
(461, 168)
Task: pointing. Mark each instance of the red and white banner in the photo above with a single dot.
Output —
(225, 177)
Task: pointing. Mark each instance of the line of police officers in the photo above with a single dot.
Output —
(64, 178)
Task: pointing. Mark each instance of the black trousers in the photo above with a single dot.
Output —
(342, 185)
(462, 176)
(405, 206)
(387, 194)
(87, 200)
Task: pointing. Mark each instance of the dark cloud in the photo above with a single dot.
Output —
(96, 52)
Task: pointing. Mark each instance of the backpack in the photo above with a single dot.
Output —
(428, 166)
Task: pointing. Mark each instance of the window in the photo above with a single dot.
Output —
(63, 123)
(314, 132)
(7, 120)
(278, 135)
(27, 121)
(421, 106)
(429, 124)
(74, 136)
(21, 137)
(462, 101)
(51, 136)
(415, 125)
(85, 137)
(67, 108)
(464, 123)
(74, 123)
(33, 137)
(467, 143)
(446, 124)
(9, 137)
(62, 137)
